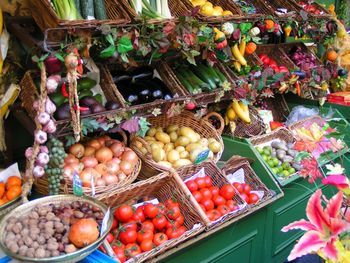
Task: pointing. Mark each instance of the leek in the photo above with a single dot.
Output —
(66, 9)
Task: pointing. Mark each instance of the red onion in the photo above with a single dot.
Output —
(29, 152)
(38, 171)
(50, 107)
(53, 65)
(42, 159)
(44, 149)
(52, 83)
(50, 127)
(43, 118)
(40, 136)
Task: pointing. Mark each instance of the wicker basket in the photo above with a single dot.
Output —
(325, 15)
(244, 130)
(163, 186)
(261, 9)
(308, 121)
(202, 127)
(293, 10)
(26, 208)
(278, 106)
(45, 16)
(219, 180)
(251, 178)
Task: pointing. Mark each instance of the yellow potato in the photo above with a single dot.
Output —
(184, 155)
(162, 137)
(165, 164)
(173, 156)
(172, 128)
(149, 138)
(173, 136)
(215, 146)
(180, 149)
(181, 162)
(158, 154)
(151, 132)
(193, 146)
(168, 147)
(182, 141)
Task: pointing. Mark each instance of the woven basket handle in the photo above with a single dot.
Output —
(235, 162)
(125, 138)
(218, 116)
(143, 142)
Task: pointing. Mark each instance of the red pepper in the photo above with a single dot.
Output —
(64, 90)
(81, 108)
(222, 44)
(297, 87)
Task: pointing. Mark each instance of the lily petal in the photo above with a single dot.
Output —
(330, 251)
(339, 181)
(338, 226)
(315, 213)
(309, 242)
(301, 224)
(334, 205)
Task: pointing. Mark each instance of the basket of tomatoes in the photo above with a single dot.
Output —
(150, 217)
(213, 195)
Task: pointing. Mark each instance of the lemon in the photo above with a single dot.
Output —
(341, 33)
(231, 114)
(217, 11)
(198, 2)
(218, 8)
(207, 9)
(227, 13)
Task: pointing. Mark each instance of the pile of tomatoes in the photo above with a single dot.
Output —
(269, 62)
(214, 201)
(135, 231)
(244, 191)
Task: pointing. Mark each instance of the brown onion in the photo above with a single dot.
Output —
(94, 143)
(70, 159)
(112, 167)
(129, 156)
(116, 160)
(121, 177)
(69, 169)
(126, 167)
(101, 140)
(117, 149)
(89, 151)
(126, 149)
(86, 176)
(110, 179)
(104, 155)
(108, 143)
(100, 182)
(101, 168)
(89, 162)
(77, 150)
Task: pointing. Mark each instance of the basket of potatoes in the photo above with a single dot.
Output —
(174, 142)
(61, 228)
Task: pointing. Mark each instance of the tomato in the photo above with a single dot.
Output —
(181, 230)
(253, 198)
(124, 213)
(223, 209)
(139, 215)
(128, 236)
(179, 221)
(219, 200)
(208, 204)
(129, 225)
(238, 187)
(144, 235)
(159, 222)
(202, 206)
(198, 196)
(227, 191)
(150, 210)
(231, 205)
(162, 209)
(147, 245)
(206, 193)
(245, 197)
(174, 212)
(213, 215)
(208, 181)
(118, 244)
(147, 226)
(120, 253)
(160, 238)
(109, 238)
(214, 190)
(114, 224)
(171, 232)
(132, 250)
(246, 188)
(210, 215)
(171, 202)
(200, 181)
(192, 186)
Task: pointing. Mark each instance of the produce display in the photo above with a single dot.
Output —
(305, 61)
(237, 109)
(197, 79)
(141, 86)
(175, 147)
(208, 9)
(151, 8)
(271, 63)
(10, 189)
(310, 7)
(53, 230)
(102, 161)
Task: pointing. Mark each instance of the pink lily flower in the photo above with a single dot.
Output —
(322, 229)
(339, 181)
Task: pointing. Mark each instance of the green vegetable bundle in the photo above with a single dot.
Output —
(80, 9)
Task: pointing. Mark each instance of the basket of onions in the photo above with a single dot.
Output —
(102, 164)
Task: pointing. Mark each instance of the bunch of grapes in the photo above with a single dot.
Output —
(54, 168)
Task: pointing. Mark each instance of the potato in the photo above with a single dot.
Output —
(184, 155)
(159, 129)
(193, 146)
(173, 136)
(172, 128)
(151, 132)
(155, 146)
(173, 156)
(182, 141)
(165, 164)
(215, 146)
(211, 155)
(189, 133)
(168, 147)
(180, 149)
(160, 144)
(181, 162)
(148, 139)
(204, 142)
(158, 154)
(162, 137)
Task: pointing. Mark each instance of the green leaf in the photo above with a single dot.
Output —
(124, 45)
(108, 52)
(144, 127)
(42, 58)
(245, 27)
(69, 140)
(124, 57)
(89, 125)
(301, 156)
(59, 57)
(109, 39)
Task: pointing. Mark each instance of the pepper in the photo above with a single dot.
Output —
(297, 87)
(222, 44)
(64, 91)
(219, 35)
(81, 108)
(287, 30)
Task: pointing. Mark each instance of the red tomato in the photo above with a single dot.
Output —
(208, 181)
(160, 238)
(223, 209)
(162, 208)
(213, 215)
(129, 226)
(109, 238)
(114, 224)
(227, 191)
(171, 232)
(231, 205)
(206, 193)
(147, 226)
(198, 196)
(132, 250)
(246, 188)
(245, 197)
(174, 212)
(124, 213)
(118, 244)
(144, 235)
(219, 200)
(150, 210)
(208, 204)
(238, 187)
(139, 215)
(120, 253)
(179, 221)
(181, 230)
(147, 245)
(253, 198)
(273, 62)
(159, 222)
(214, 190)
(202, 206)
(127, 236)
(200, 181)
(171, 202)
(192, 186)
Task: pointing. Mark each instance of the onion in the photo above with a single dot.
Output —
(69, 169)
(126, 149)
(29, 152)
(44, 149)
(40, 136)
(38, 171)
(121, 176)
(112, 167)
(126, 167)
(100, 182)
(110, 179)
(77, 150)
(116, 160)
(108, 143)
(86, 176)
(42, 159)
(94, 143)
(117, 149)
(101, 168)
(89, 151)
(71, 159)
(101, 140)
(89, 162)
(43, 118)
(130, 156)
(52, 83)
(50, 107)
(50, 127)
(104, 155)
(71, 61)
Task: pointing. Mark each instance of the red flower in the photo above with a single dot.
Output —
(169, 28)
(189, 39)
(310, 169)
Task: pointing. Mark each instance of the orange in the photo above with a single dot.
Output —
(332, 55)
(250, 48)
(13, 192)
(2, 189)
(13, 180)
(269, 24)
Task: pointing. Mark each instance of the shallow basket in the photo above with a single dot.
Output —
(188, 119)
(261, 9)
(163, 186)
(305, 122)
(325, 15)
(45, 16)
(293, 10)
(27, 207)
(219, 180)
(278, 106)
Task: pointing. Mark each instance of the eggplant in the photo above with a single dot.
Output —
(160, 84)
(132, 99)
(111, 105)
(63, 112)
(167, 96)
(157, 94)
(88, 101)
(145, 95)
(97, 108)
(342, 72)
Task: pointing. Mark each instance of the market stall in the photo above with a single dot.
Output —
(159, 130)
